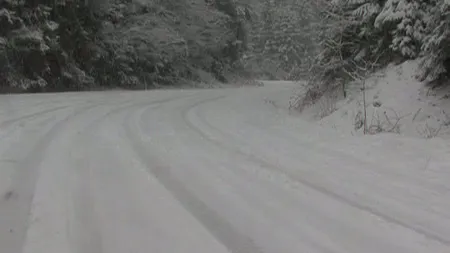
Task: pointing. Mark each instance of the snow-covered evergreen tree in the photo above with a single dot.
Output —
(349, 38)
(358, 32)
(436, 45)
(405, 20)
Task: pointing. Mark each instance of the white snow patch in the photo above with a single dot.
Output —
(396, 103)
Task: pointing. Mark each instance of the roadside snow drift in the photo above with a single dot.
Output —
(395, 102)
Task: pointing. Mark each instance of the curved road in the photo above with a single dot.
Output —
(209, 171)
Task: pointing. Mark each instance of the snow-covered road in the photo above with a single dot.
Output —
(210, 171)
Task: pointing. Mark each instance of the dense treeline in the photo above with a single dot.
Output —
(77, 45)
(357, 37)
(74, 45)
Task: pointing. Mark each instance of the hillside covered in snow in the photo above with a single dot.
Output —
(381, 67)
(395, 102)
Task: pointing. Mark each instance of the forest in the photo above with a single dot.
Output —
(71, 45)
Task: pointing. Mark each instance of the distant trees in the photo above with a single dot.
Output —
(280, 38)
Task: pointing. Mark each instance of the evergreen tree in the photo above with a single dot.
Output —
(404, 19)
(368, 34)
(436, 44)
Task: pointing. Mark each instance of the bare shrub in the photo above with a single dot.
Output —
(302, 100)
(327, 103)
(447, 118)
(380, 121)
(428, 131)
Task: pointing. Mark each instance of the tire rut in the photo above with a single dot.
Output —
(14, 212)
(323, 190)
(220, 228)
(85, 233)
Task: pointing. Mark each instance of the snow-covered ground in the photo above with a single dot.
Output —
(224, 170)
(396, 103)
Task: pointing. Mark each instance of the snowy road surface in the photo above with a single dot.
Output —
(209, 171)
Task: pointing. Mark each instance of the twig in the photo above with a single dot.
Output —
(415, 115)
(429, 132)
(398, 118)
(447, 118)
(365, 109)
(393, 125)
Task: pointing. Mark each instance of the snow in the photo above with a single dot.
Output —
(396, 103)
(218, 170)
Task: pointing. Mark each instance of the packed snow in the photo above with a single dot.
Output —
(217, 170)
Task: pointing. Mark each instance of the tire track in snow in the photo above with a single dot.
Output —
(323, 190)
(14, 212)
(86, 236)
(213, 222)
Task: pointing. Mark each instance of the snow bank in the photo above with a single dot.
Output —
(396, 103)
